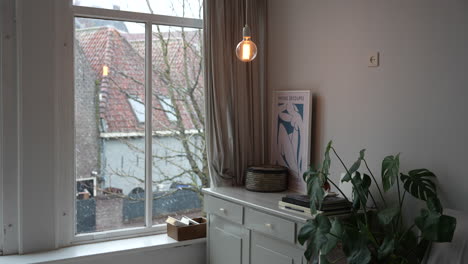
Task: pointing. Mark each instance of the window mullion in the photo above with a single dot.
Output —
(148, 125)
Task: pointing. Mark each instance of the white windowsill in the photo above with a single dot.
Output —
(133, 245)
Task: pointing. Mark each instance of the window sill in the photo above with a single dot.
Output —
(139, 244)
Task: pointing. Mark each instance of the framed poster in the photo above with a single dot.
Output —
(290, 141)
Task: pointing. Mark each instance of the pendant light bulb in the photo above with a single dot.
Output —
(246, 49)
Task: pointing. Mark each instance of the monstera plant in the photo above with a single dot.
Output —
(376, 235)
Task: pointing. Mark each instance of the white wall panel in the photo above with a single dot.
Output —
(9, 118)
(37, 88)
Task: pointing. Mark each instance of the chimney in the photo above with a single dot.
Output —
(116, 7)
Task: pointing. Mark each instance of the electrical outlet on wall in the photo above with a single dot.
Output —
(374, 60)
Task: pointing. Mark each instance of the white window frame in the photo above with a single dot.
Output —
(66, 186)
(9, 129)
(2, 13)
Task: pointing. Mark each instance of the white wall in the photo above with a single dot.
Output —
(414, 103)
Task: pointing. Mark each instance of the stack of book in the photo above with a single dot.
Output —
(331, 205)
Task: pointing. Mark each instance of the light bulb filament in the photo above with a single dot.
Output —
(246, 51)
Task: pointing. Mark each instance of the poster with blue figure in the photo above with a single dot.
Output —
(291, 134)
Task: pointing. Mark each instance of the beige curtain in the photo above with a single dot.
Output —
(234, 90)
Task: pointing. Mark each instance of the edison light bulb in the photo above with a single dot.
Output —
(246, 49)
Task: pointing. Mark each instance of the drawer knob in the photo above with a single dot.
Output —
(222, 210)
(268, 225)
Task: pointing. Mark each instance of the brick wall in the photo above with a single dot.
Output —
(86, 122)
(109, 213)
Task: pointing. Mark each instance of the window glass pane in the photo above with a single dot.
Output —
(109, 125)
(138, 108)
(168, 108)
(180, 8)
(179, 155)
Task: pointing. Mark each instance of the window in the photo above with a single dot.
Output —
(168, 108)
(132, 68)
(138, 108)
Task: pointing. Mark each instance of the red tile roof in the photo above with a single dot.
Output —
(123, 53)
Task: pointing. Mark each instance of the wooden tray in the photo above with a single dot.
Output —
(181, 233)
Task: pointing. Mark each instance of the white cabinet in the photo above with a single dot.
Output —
(265, 250)
(227, 241)
(248, 228)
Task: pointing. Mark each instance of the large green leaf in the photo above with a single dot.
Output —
(314, 232)
(308, 253)
(387, 215)
(354, 167)
(324, 259)
(336, 232)
(326, 160)
(310, 172)
(305, 232)
(316, 179)
(390, 169)
(355, 246)
(434, 205)
(419, 184)
(315, 191)
(365, 230)
(387, 247)
(435, 226)
(405, 246)
(421, 249)
(360, 190)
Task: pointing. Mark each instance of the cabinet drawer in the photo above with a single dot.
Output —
(267, 250)
(270, 225)
(220, 207)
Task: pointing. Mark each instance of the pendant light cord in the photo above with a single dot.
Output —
(246, 11)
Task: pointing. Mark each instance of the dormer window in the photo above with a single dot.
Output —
(168, 108)
(138, 108)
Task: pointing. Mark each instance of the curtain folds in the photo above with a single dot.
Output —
(234, 90)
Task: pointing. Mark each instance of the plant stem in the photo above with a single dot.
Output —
(365, 214)
(403, 199)
(406, 232)
(333, 235)
(352, 182)
(399, 194)
(400, 218)
(347, 171)
(373, 200)
(338, 259)
(411, 251)
(342, 163)
(339, 190)
(378, 188)
(364, 206)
